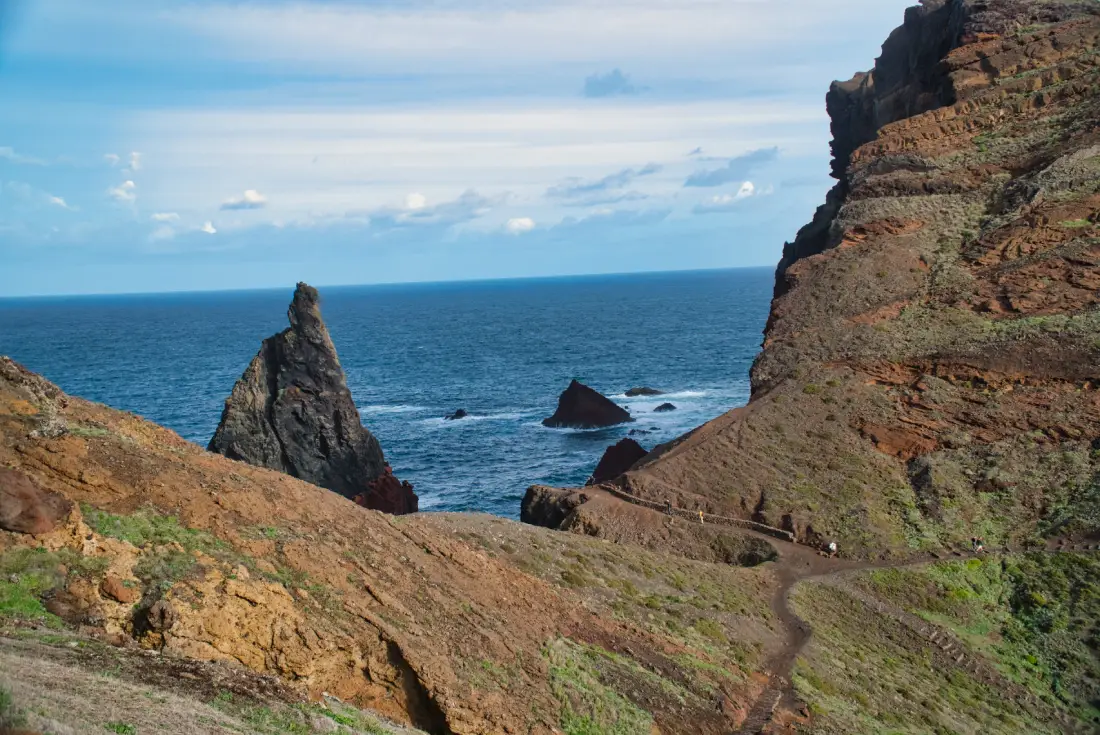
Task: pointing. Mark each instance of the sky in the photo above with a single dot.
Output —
(216, 144)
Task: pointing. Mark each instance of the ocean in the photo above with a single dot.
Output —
(502, 350)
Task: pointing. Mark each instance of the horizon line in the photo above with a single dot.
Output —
(378, 284)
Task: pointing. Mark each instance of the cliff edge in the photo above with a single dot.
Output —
(929, 368)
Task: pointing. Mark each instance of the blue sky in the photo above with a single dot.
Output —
(210, 144)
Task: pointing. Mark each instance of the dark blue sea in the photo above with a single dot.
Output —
(503, 350)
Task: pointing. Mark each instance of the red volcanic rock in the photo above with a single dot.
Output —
(899, 442)
(580, 407)
(617, 460)
(27, 508)
(388, 494)
(113, 587)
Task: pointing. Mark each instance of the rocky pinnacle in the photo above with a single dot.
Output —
(292, 411)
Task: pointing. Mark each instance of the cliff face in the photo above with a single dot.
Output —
(292, 411)
(930, 363)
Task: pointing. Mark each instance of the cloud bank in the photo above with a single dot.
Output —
(611, 84)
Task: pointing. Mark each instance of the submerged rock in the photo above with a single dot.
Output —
(581, 407)
(616, 460)
(292, 411)
(665, 408)
(643, 391)
(459, 414)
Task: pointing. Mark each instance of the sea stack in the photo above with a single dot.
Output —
(292, 411)
(580, 407)
(617, 460)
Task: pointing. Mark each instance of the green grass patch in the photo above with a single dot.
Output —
(588, 707)
(122, 728)
(10, 715)
(26, 574)
(1075, 224)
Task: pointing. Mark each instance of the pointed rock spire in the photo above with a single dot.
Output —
(292, 411)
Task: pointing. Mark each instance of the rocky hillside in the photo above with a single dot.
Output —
(119, 532)
(930, 366)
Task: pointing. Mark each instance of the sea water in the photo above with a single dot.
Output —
(501, 350)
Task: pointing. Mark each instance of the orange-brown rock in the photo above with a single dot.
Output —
(934, 332)
(27, 508)
(114, 588)
(443, 622)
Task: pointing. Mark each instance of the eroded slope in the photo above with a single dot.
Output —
(929, 369)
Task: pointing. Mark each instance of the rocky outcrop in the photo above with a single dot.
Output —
(27, 508)
(665, 408)
(292, 411)
(643, 391)
(616, 460)
(581, 407)
(457, 415)
(548, 507)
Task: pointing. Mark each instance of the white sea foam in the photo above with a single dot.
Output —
(473, 418)
(391, 409)
(663, 396)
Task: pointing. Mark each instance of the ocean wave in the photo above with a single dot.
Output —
(663, 396)
(391, 409)
(473, 418)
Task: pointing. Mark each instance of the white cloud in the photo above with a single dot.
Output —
(726, 202)
(112, 159)
(519, 225)
(502, 34)
(251, 199)
(135, 161)
(523, 147)
(208, 228)
(58, 201)
(417, 211)
(577, 187)
(10, 154)
(124, 192)
(165, 217)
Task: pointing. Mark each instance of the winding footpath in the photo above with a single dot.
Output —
(799, 563)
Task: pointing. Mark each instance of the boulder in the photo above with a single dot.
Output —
(27, 508)
(114, 588)
(459, 414)
(292, 411)
(664, 408)
(580, 407)
(549, 507)
(643, 391)
(616, 460)
(388, 494)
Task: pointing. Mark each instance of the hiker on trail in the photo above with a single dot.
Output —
(700, 516)
(978, 544)
(668, 506)
(831, 548)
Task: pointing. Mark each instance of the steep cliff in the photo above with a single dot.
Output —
(292, 411)
(929, 368)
